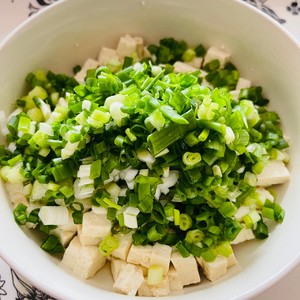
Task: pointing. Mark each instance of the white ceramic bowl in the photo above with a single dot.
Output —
(70, 31)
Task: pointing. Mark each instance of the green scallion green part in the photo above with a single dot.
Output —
(108, 245)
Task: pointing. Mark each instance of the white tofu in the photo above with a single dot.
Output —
(87, 240)
(275, 172)
(215, 269)
(140, 255)
(129, 280)
(176, 285)
(84, 261)
(159, 290)
(244, 235)
(196, 62)
(186, 267)
(125, 242)
(243, 83)
(139, 46)
(106, 55)
(89, 64)
(231, 260)
(214, 53)
(182, 67)
(15, 192)
(95, 225)
(71, 226)
(235, 94)
(71, 253)
(116, 266)
(89, 261)
(161, 255)
(127, 46)
(264, 195)
(64, 236)
(241, 212)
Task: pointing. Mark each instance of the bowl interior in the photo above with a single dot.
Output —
(71, 31)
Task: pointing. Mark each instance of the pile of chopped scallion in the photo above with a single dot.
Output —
(170, 156)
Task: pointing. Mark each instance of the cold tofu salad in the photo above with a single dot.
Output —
(156, 160)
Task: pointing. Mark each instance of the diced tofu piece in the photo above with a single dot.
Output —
(235, 94)
(161, 289)
(213, 270)
(241, 212)
(181, 67)
(146, 53)
(71, 226)
(127, 46)
(88, 262)
(244, 235)
(264, 195)
(125, 242)
(87, 240)
(129, 280)
(64, 236)
(71, 253)
(275, 172)
(161, 255)
(196, 62)
(15, 192)
(89, 64)
(139, 46)
(84, 261)
(116, 266)
(214, 53)
(231, 260)
(174, 279)
(95, 225)
(106, 55)
(243, 83)
(186, 267)
(140, 255)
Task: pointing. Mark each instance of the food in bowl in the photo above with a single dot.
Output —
(157, 159)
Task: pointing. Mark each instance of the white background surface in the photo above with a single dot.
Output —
(14, 12)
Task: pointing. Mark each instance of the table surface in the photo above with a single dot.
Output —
(14, 12)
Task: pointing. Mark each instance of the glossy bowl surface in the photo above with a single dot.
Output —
(68, 32)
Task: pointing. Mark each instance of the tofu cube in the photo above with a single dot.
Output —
(196, 62)
(140, 255)
(88, 262)
(89, 64)
(116, 266)
(139, 46)
(214, 53)
(129, 280)
(161, 255)
(275, 172)
(125, 242)
(127, 46)
(186, 267)
(243, 83)
(106, 55)
(87, 240)
(244, 235)
(213, 270)
(64, 236)
(231, 260)
(176, 285)
(235, 94)
(84, 261)
(95, 225)
(71, 253)
(159, 290)
(181, 67)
